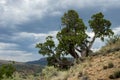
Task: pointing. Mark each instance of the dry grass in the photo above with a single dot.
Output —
(18, 76)
(110, 47)
(97, 71)
(93, 68)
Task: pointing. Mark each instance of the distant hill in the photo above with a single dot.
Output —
(24, 67)
(42, 62)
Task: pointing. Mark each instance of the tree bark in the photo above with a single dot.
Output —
(58, 60)
(85, 52)
(91, 43)
(72, 52)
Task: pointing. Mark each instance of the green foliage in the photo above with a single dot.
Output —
(73, 37)
(20, 76)
(6, 70)
(100, 26)
(73, 32)
(51, 61)
(115, 75)
(110, 65)
(46, 48)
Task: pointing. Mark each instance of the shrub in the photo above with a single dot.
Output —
(6, 70)
(110, 65)
(115, 75)
(49, 72)
(111, 77)
(105, 67)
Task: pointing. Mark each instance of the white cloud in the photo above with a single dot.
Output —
(33, 36)
(117, 30)
(92, 3)
(9, 51)
(17, 55)
(90, 34)
(6, 46)
(19, 11)
(55, 13)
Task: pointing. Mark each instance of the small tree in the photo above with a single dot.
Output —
(100, 27)
(72, 35)
(73, 39)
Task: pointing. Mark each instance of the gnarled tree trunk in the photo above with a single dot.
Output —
(85, 52)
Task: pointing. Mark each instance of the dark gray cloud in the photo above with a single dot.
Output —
(41, 26)
(23, 23)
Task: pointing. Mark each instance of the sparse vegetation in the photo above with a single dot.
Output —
(6, 70)
(110, 65)
(48, 72)
(112, 45)
(113, 39)
(115, 75)
(19, 76)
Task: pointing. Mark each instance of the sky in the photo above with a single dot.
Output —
(23, 23)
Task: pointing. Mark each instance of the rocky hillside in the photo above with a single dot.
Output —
(96, 68)
(103, 65)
